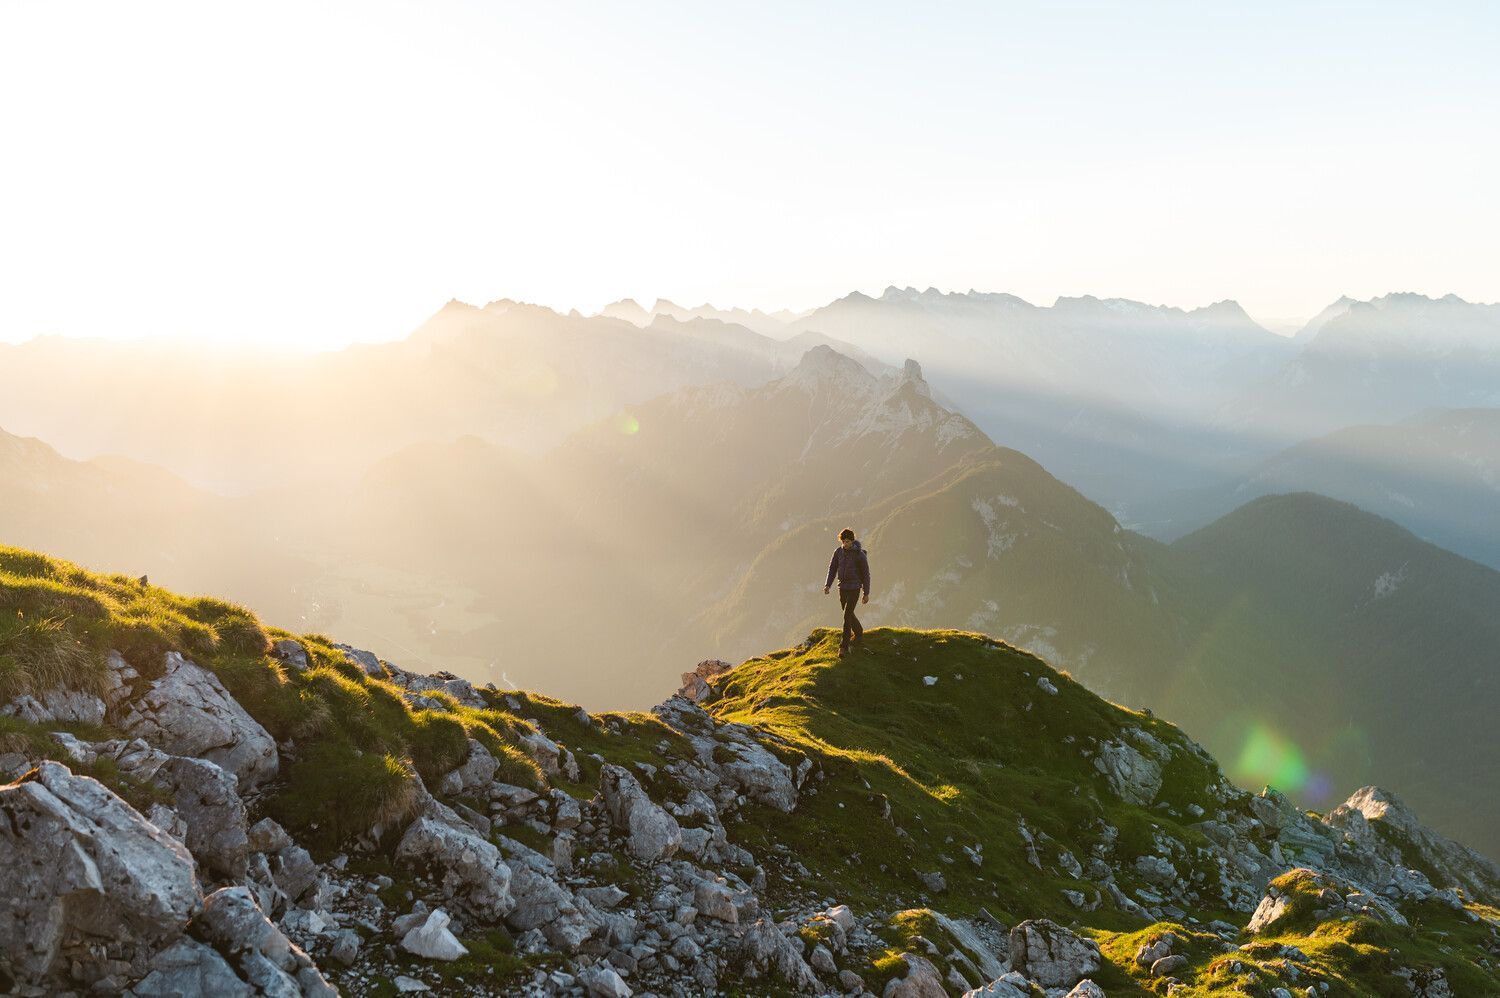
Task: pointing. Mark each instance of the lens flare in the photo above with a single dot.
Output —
(1267, 757)
(627, 424)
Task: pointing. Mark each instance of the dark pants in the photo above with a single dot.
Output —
(849, 599)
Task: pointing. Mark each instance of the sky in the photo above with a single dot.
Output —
(311, 174)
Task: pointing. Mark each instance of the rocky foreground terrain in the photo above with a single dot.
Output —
(200, 805)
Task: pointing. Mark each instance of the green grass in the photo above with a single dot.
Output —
(962, 762)
(357, 740)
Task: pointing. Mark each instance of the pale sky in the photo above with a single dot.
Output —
(314, 173)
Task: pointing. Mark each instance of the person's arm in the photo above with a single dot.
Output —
(833, 566)
(864, 573)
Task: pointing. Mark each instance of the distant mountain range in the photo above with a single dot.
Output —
(1437, 474)
(516, 375)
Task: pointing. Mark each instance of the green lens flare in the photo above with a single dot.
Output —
(628, 424)
(1268, 758)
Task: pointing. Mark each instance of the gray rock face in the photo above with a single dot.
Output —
(364, 659)
(1457, 864)
(1088, 989)
(921, 980)
(765, 953)
(696, 684)
(1051, 955)
(206, 798)
(731, 757)
(292, 653)
(1133, 776)
(467, 867)
(654, 834)
(476, 771)
(235, 925)
(1335, 896)
(188, 712)
(602, 981)
(52, 706)
(187, 967)
(1010, 985)
(82, 864)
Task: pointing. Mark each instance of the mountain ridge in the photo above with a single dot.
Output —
(305, 815)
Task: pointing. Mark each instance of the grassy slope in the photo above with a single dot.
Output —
(962, 762)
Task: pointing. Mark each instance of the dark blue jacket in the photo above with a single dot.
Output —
(851, 566)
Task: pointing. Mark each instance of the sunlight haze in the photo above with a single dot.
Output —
(310, 175)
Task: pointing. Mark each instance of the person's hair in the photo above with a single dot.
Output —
(846, 534)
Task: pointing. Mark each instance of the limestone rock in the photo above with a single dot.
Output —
(189, 712)
(1051, 955)
(603, 981)
(187, 967)
(207, 798)
(476, 771)
(653, 833)
(467, 867)
(1010, 985)
(1132, 776)
(81, 863)
(291, 653)
(921, 980)
(1087, 989)
(235, 925)
(56, 705)
(432, 939)
(765, 952)
(696, 685)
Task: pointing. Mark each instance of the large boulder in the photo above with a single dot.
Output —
(234, 924)
(697, 685)
(764, 953)
(1134, 776)
(542, 903)
(80, 864)
(468, 868)
(921, 980)
(188, 967)
(205, 797)
(189, 712)
(653, 833)
(1051, 955)
(1011, 985)
(475, 772)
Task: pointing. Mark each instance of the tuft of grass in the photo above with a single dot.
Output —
(337, 790)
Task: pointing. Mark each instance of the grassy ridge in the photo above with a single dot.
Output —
(356, 740)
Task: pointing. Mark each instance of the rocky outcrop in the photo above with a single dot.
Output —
(921, 980)
(468, 868)
(1371, 808)
(82, 867)
(1051, 955)
(188, 712)
(54, 706)
(234, 924)
(697, 686)
(653, 833)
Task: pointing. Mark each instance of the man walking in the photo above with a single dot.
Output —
(852, 566)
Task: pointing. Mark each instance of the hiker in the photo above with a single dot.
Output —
(852, 566)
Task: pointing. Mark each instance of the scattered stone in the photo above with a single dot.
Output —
(432, 939)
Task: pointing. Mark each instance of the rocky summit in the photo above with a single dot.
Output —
(198, 804)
